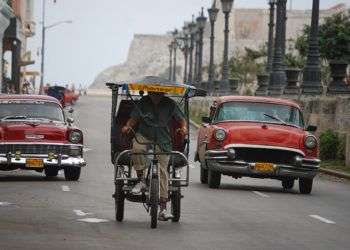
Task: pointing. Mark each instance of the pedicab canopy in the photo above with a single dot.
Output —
(158, 85)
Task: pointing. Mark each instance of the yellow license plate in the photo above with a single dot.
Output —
(264, 167)
(34, 163)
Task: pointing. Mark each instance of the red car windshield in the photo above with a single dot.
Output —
(259, 112)
(28, 110)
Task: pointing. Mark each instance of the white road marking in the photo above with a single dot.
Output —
(80, 213)
(317, 217)
(4, 204)
(93, 220)
(86, 149)
(65, 188)
(261, 194)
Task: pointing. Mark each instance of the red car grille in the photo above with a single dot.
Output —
(34, 149)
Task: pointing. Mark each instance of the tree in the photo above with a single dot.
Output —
(334, 38)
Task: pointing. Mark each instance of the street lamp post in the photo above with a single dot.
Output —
(226, 9)
(43, 36)
(278, 75)
(213, 13)
(312, 72)
(175, 49)
(192, 30)
(185, 49)
(201, 22)
(170, 46)
(196, 38)
(271, 33)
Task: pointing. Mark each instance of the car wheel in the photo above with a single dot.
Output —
(214, 178)
(288, 184)
(51, 172)
(72, 173)
(305, 185)
(204, 175)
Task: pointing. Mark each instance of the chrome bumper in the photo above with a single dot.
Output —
(59, 161)
(219, 161)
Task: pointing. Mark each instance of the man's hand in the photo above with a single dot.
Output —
(183, 131)
(126, 129)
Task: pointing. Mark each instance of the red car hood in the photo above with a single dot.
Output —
(32, 132)
(263, 134)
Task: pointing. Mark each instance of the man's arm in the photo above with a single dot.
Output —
(183, 127)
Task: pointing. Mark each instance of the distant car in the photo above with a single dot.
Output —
(64, 95)
(259, 137)
(70, 96)
(36, 135)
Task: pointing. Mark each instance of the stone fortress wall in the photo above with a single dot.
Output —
(149, 55)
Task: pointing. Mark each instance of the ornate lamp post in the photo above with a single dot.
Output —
(312, 70)
(213, 14)
(192, 30)
(185, 49)
(170, 60)
(226, 9)
(201, 22)
(196, 55)
(271, 33)
(278, 75)
(175, 45)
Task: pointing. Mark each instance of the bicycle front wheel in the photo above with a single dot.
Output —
(154, 200)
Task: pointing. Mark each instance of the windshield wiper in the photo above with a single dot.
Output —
(14, 117)
(276, 118)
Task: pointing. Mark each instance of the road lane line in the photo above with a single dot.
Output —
(65, 188)
(80, 213)
(317, 217)
(4, 204)
(261, 194)
(93, 220)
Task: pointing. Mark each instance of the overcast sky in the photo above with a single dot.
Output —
(103, 29)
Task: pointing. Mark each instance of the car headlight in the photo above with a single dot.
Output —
(75, 136)
(310, 142)
(75, 151)
(220, 134)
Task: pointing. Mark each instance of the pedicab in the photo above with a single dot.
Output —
(125, 97)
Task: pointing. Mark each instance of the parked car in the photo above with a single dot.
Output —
(259, 137)
(35, 134)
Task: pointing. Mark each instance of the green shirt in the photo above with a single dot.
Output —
(160, 114)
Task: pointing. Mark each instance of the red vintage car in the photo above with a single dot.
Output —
(259, 137)
(36, 135)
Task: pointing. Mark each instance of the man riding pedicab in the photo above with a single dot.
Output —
(158, 109)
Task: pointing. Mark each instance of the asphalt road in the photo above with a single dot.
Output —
(36, 213)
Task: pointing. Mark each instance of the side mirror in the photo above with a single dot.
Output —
(70, 120)
(311, 128)
(205, 119)
(70, 110)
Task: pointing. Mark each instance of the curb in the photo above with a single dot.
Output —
(335, 173)
(322, 170)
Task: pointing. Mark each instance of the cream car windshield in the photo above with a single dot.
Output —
(26, 110)
(259, 112)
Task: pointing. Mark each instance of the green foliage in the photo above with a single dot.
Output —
(334, 38)
(294, 61)
(245, 67)
(341, 148)
(332, 146)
